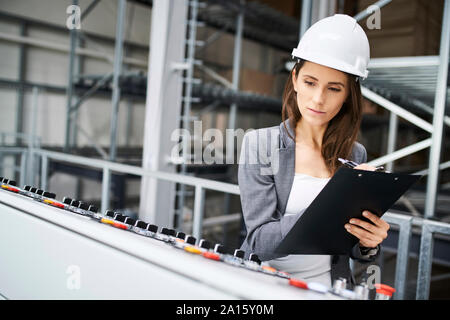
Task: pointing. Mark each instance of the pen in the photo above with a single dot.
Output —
(352, 164)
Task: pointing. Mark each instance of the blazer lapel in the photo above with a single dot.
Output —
(286, 166)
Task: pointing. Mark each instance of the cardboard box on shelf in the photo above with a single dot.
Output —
(407, 28)
(253, 81)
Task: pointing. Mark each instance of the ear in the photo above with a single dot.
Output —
(294, 80)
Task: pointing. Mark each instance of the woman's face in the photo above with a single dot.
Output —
(321, 92)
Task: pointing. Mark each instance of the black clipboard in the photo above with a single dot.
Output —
(320, 229)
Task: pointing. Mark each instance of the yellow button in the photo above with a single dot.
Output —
(107, 221)
(192, 250)
(48, 201)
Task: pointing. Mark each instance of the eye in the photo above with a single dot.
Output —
(309, 83)
(335, 89)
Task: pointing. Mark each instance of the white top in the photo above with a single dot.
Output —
(315, 268)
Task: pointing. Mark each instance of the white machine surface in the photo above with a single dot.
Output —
(52, 253)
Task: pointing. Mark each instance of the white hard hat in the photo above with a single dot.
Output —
(337, 42)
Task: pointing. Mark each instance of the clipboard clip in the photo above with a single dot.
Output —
(352, 164)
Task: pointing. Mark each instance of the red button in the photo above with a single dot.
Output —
(298, 283)
(59, 205)
(120, 226)
(384, 289)
(211, 255)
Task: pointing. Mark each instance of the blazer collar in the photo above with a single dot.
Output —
(287, 141)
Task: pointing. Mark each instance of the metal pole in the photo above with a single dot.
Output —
(44, 172)
(31, 142)
(105, 189)
(199, 204)
(233, 109)
(129, 123)
(439, 112)
(392, 138)
(21, 89)
(23, 168)
(425, 261)
(192, 23)
(305, 19)
(118, 56)
(21, 78)
(401, 269)
(73, 45)
(365, 13)
(88, 9)
(236, 67)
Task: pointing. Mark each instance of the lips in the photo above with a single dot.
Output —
(315, 111)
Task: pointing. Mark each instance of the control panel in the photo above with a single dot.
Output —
(80, 252)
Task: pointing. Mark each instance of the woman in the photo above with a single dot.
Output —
(321, 117)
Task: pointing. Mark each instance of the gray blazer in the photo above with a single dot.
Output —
(265, 176)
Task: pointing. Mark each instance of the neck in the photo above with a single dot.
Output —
(309, 135)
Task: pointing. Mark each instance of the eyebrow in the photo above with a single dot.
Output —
(338, 83)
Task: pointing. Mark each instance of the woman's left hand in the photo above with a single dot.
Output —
(369, 235)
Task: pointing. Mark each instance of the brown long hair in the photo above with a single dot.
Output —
(342, 130)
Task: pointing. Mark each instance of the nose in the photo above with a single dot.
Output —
(318, 97)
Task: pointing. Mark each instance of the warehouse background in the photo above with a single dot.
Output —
(35, 82)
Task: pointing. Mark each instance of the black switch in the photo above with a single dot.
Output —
(110, 213)
(130, 221)
(219, 248)
(190, 240)
(120, 218)
(83, 205)
(181, 235)
(12, 183)
(253, 257)
(75, 203)
(40, 192)
(239, 253)
(49, 195)
(152, 228)
(67, 200)
(93, 208)
(167, 231)
(205, 244)
(141, 224)
(27, 188)
(33, 189)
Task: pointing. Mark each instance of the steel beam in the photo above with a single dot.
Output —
(163, 107)
(236, 68)
(392, 138)
(439, 113)
(366, 12)
(118, 56)
(70, 91)
(305, 20)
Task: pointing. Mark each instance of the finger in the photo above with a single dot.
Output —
(365, 166)
(363, 224)
(376, 219)
(376, 230)
(362, 234)
(363, 241)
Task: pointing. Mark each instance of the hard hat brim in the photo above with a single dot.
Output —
(328, 61)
